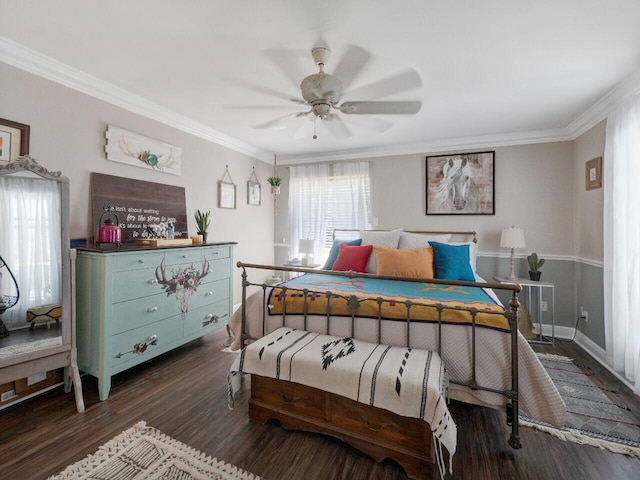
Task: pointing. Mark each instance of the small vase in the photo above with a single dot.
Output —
(204, 236)
(275, 189)
(535, 276)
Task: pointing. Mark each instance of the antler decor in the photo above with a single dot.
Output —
(182, 282)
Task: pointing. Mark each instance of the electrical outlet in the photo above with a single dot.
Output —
(543, 306)
(584, 314)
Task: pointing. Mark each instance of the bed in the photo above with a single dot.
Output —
(487, 361)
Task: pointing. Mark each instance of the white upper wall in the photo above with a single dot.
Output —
(588, 204)
(68, 134)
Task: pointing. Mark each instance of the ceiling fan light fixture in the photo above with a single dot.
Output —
(321, 110)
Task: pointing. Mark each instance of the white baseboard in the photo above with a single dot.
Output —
(566, 333)
(600, 355)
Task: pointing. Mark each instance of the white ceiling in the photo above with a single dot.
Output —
(493, 71)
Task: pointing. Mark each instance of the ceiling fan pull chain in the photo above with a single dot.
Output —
(314, 127)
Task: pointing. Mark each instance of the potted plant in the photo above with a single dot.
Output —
(534, 266)
(275, 184)
(203, 221)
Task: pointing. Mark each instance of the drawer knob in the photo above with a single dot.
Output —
(153, 280)
(185, 256)
(141, 261)
(152, 309)
(375, 428)
(289, 400)
(208, 294)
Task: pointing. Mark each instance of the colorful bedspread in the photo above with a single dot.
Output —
(387, 299)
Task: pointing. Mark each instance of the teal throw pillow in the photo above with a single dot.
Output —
(333, 253)
(451, 262)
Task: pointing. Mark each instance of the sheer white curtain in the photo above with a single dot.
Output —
(323, 197)
(622, 240)
(308, 201)
(30, 243)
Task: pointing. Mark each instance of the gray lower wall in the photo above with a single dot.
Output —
(575, 284)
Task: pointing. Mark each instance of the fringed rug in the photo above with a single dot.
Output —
(592, 418)
(143, 452)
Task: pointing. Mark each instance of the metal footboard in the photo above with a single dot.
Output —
(354, 302)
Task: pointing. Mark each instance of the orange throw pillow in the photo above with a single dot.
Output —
(411, 263)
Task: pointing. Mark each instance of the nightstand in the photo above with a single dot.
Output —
(537, 294)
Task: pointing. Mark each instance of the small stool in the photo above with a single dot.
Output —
(44, 314)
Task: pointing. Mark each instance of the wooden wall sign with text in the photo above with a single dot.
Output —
(138, 204)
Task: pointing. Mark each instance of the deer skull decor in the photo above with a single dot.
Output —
(182, 282)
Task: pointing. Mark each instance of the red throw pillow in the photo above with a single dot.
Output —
(352, 258)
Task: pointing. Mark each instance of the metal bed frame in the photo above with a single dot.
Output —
(353, 302)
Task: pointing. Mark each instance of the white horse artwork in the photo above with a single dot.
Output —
(460, 184)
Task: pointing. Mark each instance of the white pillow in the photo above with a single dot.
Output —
(388, 239)
(417, 240)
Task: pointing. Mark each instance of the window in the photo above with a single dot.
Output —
(324, 197)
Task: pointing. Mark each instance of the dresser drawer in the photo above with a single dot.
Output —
(132, 284)
(215, 253)
(209, 293)
(288, 396)
(207, 318)
(141, 342)
(141, 311)
(136, 260)
(218, 269)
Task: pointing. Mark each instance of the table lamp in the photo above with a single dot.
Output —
(306, 246)
(512, 237)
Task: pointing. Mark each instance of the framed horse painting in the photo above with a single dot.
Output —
(461, 184)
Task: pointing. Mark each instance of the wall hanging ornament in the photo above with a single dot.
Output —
(133, 149)
(275, 181)
(254, 194)
(226, 191)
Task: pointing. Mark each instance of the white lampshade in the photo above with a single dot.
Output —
(512, 237)
(306, 246)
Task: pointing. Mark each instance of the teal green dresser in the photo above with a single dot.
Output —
(135, 304)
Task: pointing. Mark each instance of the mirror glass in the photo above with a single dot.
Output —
(32, 247)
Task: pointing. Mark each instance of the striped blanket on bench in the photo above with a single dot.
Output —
(408, 382)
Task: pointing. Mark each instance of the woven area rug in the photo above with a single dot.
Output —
(592, 418)
(143, 452)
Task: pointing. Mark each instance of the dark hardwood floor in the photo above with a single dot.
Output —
(184, 394)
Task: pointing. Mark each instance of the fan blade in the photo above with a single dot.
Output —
(286, 61)
(398, 83)
(267, 91)
(380, 108)
(337, 127)
(351, 64)
(277, 123)
(371, 123)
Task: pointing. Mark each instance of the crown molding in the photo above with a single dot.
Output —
(29, 60)
(453, 144)
(601, 109)
(24, 58)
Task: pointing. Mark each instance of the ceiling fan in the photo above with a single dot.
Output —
(323, 91)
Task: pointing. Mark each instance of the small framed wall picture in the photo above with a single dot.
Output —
(254, 190)
(253, 193)
(226, 191)
(593, 173)
(14, 140)
(226, 195)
